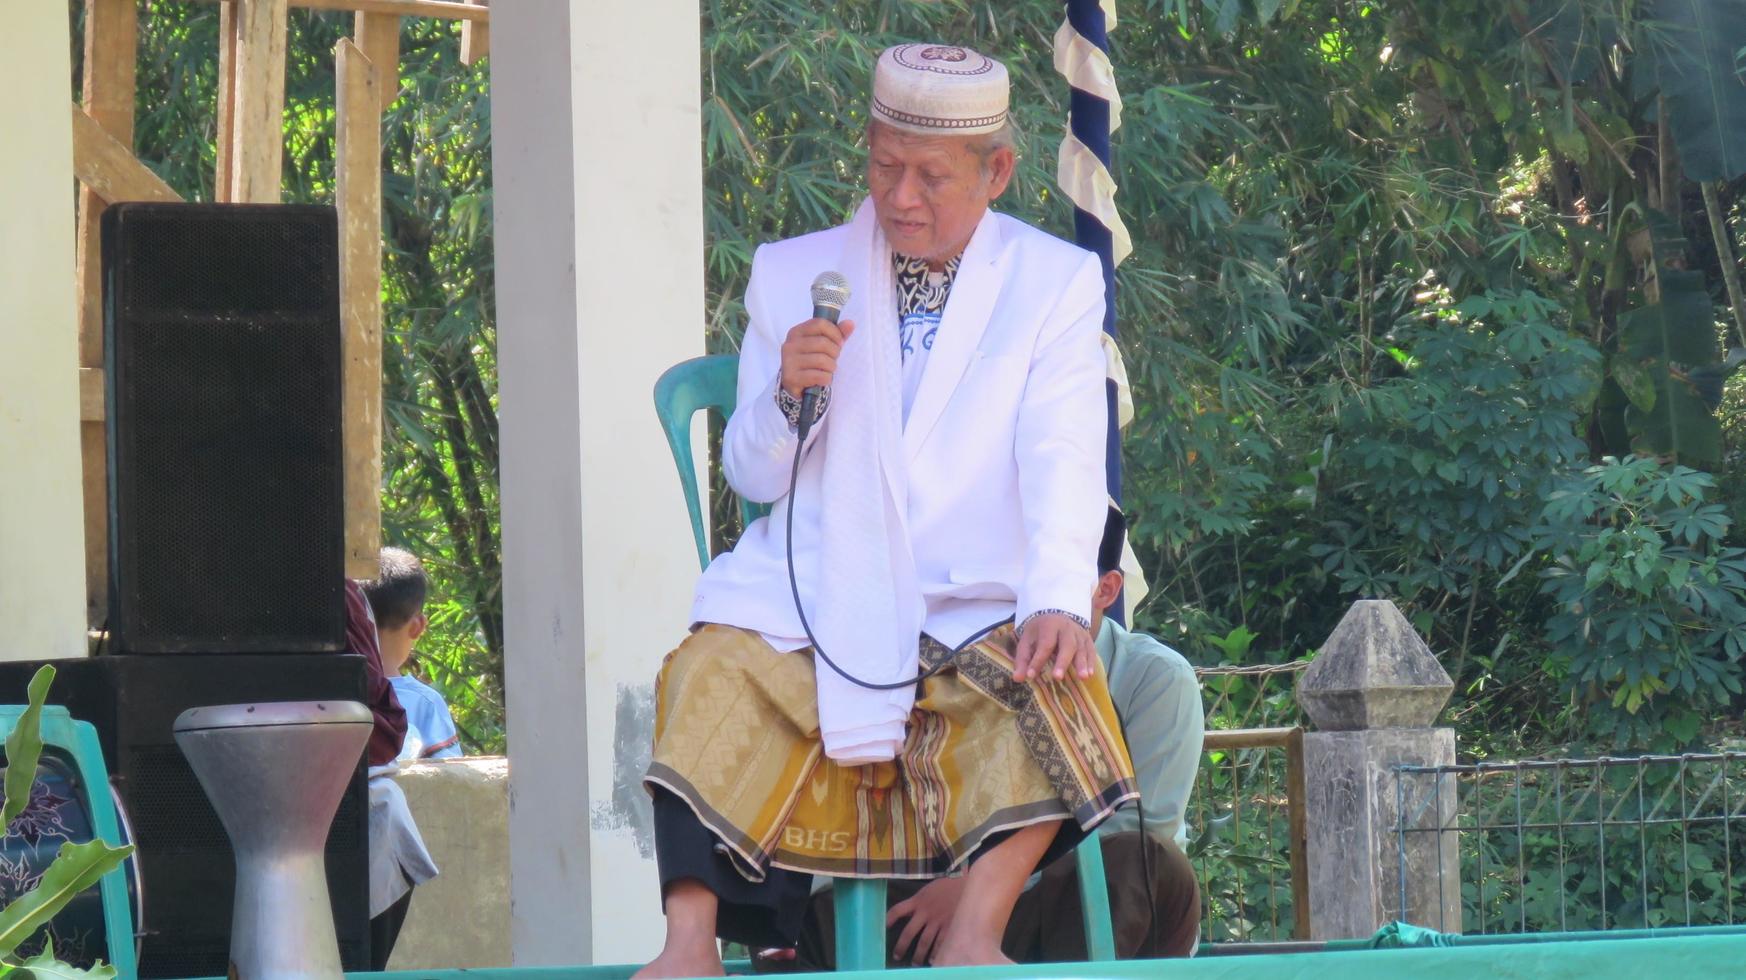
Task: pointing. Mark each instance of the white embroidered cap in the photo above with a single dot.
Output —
(938, 89)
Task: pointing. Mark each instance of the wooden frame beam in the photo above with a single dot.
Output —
(224, 180)
(258, 144)
(358, 192)
(475, 36)
(439, 9)
(111, 53)
(91, 396)
(378, 36)
(105, 166)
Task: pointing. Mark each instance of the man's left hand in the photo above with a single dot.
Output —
(1053, 639)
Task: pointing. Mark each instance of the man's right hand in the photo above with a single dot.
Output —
(809, 355)
(930, 912)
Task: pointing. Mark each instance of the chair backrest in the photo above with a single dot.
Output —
(698, 385)
(79, 740)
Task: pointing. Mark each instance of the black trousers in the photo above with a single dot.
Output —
(385, 930)
(758, 914)
(767, 914)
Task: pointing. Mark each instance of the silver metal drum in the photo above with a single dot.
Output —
(275, 773)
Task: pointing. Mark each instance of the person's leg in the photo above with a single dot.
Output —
(705, 897)
(991, 888)
(1048, 924)
(690, 949)
(1177, 897)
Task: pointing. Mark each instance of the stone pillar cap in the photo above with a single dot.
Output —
(1374, 672)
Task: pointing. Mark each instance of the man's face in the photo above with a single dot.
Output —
(930, 192)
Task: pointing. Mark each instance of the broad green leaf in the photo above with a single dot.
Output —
(1634, 379)
(1571, 143)
(44, 966)
(1225, 14)
(1681, 424)
(1694, 49)
(24, 748)
(76, 868)
(1680, 327)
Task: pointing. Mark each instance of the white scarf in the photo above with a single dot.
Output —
(869, 606)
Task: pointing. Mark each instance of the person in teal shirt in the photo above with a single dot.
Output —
(1157, 697)
(1154, 898)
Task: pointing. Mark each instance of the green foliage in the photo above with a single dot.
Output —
(44, 966)
(1650, 616)
(1400, 270)
(1603, 848)
(1448, 462)
(24, 747)
(1240, 827)
(75, 868)
(1697, 62)
(1663, 344)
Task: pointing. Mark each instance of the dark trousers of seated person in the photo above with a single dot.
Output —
(758, 914)
(1047, 925)
(767, 914)
(385, 931)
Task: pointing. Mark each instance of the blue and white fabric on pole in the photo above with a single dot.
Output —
(1082, 170)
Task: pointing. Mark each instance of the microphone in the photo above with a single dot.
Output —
(830, 293)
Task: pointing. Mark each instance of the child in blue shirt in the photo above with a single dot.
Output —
(397, 599)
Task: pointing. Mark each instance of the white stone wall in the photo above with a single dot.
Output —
(460, 918)
(42, 533)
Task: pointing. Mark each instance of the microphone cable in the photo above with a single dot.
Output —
(803, 429)
(1151, 879)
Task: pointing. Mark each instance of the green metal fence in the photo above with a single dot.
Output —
(1587, 844)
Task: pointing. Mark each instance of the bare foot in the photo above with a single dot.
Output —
(676, 965)
(690, 949)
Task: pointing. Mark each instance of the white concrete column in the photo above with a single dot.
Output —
(597, 159)
(42, 530)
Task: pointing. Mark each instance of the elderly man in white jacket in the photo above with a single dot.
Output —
(910, 690)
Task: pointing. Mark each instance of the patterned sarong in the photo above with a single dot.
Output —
(736, 737)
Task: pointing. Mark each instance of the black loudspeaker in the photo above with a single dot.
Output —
(186, 870)
(226, 498)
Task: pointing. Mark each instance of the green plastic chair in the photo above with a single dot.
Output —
(79, 740)
(709, 384)
(698, 385)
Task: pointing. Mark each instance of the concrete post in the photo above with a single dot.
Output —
(598, 161)
(1372, 694)
(42, 522)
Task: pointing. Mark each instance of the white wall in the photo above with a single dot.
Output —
(42, 533)
(599, 225)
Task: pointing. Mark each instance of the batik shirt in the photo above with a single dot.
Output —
(921, 299)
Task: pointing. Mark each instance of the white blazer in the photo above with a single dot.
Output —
(1005, 440)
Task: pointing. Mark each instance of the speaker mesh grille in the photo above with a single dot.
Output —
(170, 808)
(226, 492)
(229, 262)
(234, 465)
